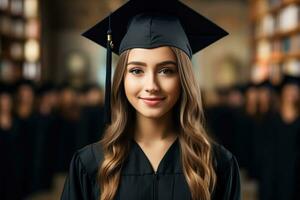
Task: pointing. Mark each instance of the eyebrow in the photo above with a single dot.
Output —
(158, 64)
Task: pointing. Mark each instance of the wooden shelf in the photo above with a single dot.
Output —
(275, 9)
(279, 35)
(279, 58)
(9, 39)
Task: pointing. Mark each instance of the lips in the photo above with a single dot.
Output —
(153, 101)
(153, 98)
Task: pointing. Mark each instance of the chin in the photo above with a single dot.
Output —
(152, 114)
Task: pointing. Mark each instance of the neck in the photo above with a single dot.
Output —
(5, 120)
(24, 111)
(153, 129)
(288, 108)
(289, 111)
(251, 108)
(264, 107)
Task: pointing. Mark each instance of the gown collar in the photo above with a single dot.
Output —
(137, 163)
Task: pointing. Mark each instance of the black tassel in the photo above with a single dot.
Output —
(109, 46)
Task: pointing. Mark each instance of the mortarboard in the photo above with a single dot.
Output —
(25, 82)
(287, 80)
(6, 88)
(266, 84)
(45, 88)
(151, 24)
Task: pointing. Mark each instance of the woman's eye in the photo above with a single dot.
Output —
(167, 71)
(135, 71)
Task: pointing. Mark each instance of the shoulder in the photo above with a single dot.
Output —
(81, 182)
(89, 157)
(227, 171)
(221, 156)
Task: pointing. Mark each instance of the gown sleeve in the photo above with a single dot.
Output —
(228, 179)
(78, 184)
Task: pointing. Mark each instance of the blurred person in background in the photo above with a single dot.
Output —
(251, 100)
(70, 132)
(45, 140)
(279, 180)
(266, 100)
(220, 120)
(236, 98)
(93, 112)
(26, 118)
(10, 188)
(246, 130)
(241, 134)
(262, 135)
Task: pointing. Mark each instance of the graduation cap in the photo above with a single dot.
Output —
(6, 88)
(239, 87)
(150, 24)
(265, 84)
(289, 80)
(25, 82)
(45, 88)
(90, 86)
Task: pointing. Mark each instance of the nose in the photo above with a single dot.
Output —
(151, 85)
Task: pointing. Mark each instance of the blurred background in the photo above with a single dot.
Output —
(51, 92)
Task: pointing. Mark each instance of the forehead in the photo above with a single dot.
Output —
(154, 55)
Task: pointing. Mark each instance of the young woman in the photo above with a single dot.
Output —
(155, 146)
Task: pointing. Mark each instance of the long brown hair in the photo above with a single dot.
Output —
(195, 144)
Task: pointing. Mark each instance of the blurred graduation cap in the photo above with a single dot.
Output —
(25, 82)
(45, 88)
(151, 24)
(6, 88)
(266, 84)
(90, 86)
(289, 80)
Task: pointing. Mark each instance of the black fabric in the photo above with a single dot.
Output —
(10, 174)
(242, 140)
(44, 148)
(25, 144)
(138, 180)
(285, 155)
(71, 135)
(175, 25)
(93, 120)
(221, 124)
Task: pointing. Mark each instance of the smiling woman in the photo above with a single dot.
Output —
(152, 79)
(155, 146)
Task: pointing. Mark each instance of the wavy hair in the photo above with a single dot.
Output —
(195, 144)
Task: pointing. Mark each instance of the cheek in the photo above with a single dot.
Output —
(172, 87)
(131, 87)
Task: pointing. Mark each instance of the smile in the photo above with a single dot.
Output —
(152, 101)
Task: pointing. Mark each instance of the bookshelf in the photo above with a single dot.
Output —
(19, 39)
(275, 42)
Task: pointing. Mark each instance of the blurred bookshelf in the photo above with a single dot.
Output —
(20, 39)
(275, 38)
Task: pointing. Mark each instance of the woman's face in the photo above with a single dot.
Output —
(151, 81)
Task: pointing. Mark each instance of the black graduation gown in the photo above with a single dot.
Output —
(138, 180)
(71, 136)
(93, 120)
(10, 188)
(244, 127)
(221, 124)
(285, 163)
(44, 157)
(25, 147)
